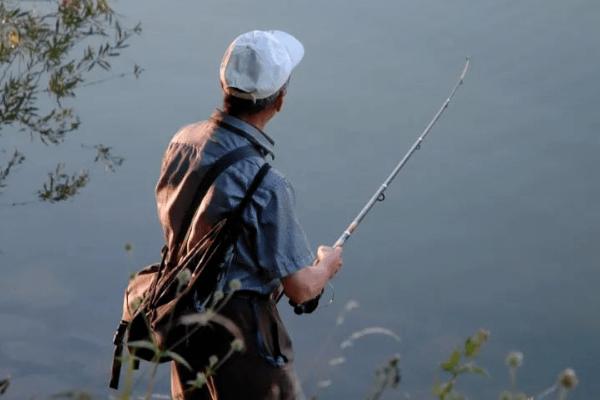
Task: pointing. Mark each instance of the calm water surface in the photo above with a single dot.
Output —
(495, 223)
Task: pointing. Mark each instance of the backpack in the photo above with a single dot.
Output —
(160, 295)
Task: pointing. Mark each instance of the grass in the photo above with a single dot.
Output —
(460, 363)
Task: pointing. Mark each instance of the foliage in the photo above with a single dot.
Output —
(15, 159)
(106, 158)
(49, 51)
(386, 377)
(567, 380)
(4, 384)
(61, 186)
(461, 362)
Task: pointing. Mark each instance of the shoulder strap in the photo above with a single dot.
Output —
(258, 178)
(207, 180)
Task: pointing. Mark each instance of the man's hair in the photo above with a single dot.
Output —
(236, 106)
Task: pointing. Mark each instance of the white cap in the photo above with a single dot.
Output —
(257, 64)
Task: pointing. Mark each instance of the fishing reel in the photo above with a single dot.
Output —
(308, 306)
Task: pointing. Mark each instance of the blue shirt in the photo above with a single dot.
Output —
(272, 243)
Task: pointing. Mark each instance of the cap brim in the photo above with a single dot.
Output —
(293, 46)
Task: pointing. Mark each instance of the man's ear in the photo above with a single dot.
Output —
(279, 102)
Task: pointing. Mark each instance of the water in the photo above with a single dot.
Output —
(495, 223)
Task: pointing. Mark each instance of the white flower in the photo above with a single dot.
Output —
(218, 295)
(213, 360)
(237, 345)
(568, 379)
(200, 380)
(514, 359)
(235, 284)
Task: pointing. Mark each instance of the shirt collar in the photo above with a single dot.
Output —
(255, 135)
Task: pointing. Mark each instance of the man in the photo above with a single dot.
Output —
(272, 251)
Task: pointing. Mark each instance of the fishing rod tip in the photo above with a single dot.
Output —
(465, 69)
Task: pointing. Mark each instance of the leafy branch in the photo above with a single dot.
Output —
(50, 52)
(16, 159)
(61, 186)
(461, 362)
(388, 376)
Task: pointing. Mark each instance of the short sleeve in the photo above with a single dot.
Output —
(282, 246)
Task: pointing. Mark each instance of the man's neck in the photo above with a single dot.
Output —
(259, 120)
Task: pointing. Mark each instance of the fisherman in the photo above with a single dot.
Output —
(271, 253)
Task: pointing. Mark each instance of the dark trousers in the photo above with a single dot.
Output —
(262, 371)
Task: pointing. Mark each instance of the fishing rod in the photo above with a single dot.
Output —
(379, 195)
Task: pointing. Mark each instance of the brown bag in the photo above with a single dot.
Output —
(158, 296)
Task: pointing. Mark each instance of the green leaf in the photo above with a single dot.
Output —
(471, 368)
(479, 371)
(474, 343)
(471, 347)
(441, 390)
(452, 362)
(179, 359)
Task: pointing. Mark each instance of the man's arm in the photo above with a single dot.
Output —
(308, 282)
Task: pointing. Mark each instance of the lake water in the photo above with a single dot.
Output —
(495, 223)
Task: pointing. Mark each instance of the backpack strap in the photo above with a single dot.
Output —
(209, 178)
(233, 222)
(115, 370)
(258, 178)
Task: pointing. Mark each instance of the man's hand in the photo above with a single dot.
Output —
(307, 283)
(330, 258)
